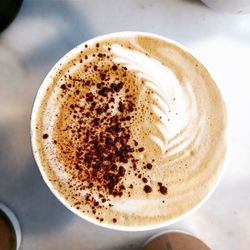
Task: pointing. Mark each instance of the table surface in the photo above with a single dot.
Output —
(45, 30)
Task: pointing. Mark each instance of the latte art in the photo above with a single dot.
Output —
(129, 130)
(172, 103)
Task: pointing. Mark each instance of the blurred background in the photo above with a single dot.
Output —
(43, 31)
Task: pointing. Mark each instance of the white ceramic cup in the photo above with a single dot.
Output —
(40, 93)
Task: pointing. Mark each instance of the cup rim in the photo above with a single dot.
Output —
(60, 197)
(168, 232)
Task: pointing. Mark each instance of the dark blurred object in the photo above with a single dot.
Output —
(8, 11)
(10, 232)
(171, 240)
(7, 233)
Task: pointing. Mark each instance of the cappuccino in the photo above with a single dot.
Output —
(129, 131)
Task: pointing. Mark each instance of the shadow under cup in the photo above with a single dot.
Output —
(189, 117)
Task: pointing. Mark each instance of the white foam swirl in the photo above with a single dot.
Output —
(174, 101)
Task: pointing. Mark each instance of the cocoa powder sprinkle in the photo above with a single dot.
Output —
(102, 139)
(141, 149)
(100, 153)
(147, 189)
(45, 136)
(149, 166)
(114, 67)
(63, 86)
(163, 190)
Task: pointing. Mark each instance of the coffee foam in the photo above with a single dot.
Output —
(179, 120)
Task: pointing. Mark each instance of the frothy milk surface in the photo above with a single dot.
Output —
(129, 130)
